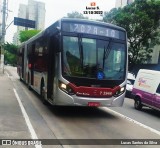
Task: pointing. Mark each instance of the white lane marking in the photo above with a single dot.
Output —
(29, 125)
(134, 121)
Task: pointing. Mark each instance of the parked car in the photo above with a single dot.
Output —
(130, 81)
(146, 89)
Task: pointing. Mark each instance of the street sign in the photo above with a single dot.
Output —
(24, 22)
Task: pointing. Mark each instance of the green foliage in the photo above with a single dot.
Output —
(141, 21)
(10, 53)
(76, 14)
(10, 48)
(27, 34)
(10, 58)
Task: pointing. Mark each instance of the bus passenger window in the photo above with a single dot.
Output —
(40, 64)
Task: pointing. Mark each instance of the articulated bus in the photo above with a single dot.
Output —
(76, 62)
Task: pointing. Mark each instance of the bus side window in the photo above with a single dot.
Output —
(40, 63)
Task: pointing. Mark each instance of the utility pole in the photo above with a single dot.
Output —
(4, 21)
(3, 32)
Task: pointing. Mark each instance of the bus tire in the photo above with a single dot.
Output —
(43, 93)
(137, 103)
(28, 83)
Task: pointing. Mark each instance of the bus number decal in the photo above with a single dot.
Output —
(113, 33)
(105, 93)
(88, 29)
(107, 32)
(82, 28)
(75, 27)
(95, 30)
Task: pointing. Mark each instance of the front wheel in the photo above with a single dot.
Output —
(138, 104)
(43, 94)
(28, 83)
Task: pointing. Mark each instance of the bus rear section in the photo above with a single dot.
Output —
(146, 90)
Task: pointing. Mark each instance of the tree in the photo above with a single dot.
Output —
(141, 21)
(10, 53)
(27, 34)
(76, 14)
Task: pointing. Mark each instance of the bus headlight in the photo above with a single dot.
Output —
(66, 88)
(119, 92)
(63, 86)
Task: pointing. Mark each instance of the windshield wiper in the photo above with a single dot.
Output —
(106, 52)
(80, 50)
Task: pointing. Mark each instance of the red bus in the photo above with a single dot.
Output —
(76, 62)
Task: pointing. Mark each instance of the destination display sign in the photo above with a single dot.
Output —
(93, 29)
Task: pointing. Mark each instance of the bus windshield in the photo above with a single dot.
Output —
(93, 58)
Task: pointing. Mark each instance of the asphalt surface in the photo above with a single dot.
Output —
(62, 123)
(11, 118)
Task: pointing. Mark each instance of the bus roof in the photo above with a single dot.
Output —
(35, 37)
(58, 24)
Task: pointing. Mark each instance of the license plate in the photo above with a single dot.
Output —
(96, 104)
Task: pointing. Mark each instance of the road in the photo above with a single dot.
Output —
(49, 122)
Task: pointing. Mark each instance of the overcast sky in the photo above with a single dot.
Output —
(55, 9)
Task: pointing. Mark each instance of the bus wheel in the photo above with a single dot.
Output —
(43, 94)
(28, 83)
(137, 103)
(20, 79)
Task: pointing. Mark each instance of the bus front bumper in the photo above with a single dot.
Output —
(73, 100)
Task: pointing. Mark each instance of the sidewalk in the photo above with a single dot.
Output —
(12, 123)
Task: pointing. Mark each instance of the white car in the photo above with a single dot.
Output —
(130, 82)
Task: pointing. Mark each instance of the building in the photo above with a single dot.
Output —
(33, 11)
(16, 38)
(1, 5)
(122, 3)
(36, 11)
(22, 13)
